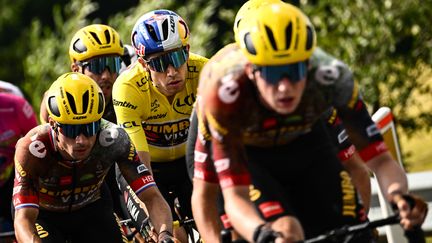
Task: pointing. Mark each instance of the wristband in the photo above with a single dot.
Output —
(257, 232)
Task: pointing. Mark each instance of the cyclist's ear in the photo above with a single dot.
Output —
(74, 67)
(250, 71)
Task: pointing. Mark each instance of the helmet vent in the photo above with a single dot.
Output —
(185, 27)
(310, 37)
(101, 103)
(288, 34)
(271, 37)
(79, 46)
(52, 106)
(72, 103)
(152, 32)
(249, 44)
(96, 38)
(107, 36)
(165, 29)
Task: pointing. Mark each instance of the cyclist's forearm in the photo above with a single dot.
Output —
(204, 209)
(390, 175)
(145, 158)
(241, 211)
(158, 209)
(24, 225)
(359, 173)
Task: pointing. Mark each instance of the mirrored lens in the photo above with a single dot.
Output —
(72, 131)
(98, 65)
(294, 72)
(176, 59)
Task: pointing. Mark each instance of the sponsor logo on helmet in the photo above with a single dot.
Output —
(79, 117)
(172, 24)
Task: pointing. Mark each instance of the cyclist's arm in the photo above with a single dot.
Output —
(359, 173)
(158, 209)
(347, 154)
(241, 212)
(24, 225)
(142, 183)
(389, 173)
(204, 208)
(129, 116)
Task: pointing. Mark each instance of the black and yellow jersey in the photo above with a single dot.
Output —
(154, 124)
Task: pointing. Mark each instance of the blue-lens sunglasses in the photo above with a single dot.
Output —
(273, 74)
(73, 131)
(175, 58)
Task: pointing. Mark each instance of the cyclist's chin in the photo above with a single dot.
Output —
(80, 154)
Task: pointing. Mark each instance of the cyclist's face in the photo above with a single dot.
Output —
(169, 82)
(282, 97)
(105, 79)
(78, 148)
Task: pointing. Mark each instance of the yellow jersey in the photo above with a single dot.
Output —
(153, 123)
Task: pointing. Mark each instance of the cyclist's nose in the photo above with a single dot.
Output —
(284, 84)
(80, 139)
(171, 70)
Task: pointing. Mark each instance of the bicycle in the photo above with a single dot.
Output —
(345, 233)
(139, 221)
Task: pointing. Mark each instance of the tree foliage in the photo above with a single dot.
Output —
(388, 46)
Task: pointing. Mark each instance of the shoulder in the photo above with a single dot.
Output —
(133, 77)
(327, 70)
(10, 88)
(112, 135)
(224, 87)
(35, 145)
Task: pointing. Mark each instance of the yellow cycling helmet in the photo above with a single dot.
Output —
(75, 98)
(276, 34)
(95, 40)
(246, 8)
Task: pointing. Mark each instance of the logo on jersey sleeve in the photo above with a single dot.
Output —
(125, 104)
(108, 136)
(38, 149)
(229, 91)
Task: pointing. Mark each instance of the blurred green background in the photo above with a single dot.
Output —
(388, 44)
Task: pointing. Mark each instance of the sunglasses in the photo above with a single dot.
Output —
(175, 58)
(73, 131)
(99, 64)
(273, 74)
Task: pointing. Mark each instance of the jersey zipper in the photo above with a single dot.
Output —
(72, 200)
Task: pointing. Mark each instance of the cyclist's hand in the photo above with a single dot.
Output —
(167, 237)
(412, 210)
(264, 234)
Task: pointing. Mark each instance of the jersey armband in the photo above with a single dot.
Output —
(347, 153)
(20, 201)
(373, 150)
(235, 180)
(142, 183)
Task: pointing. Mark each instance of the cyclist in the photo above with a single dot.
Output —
(96, 51)
(60, 168)
(260, 104)
(10, 88)
(153, 101)
(16, 119)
